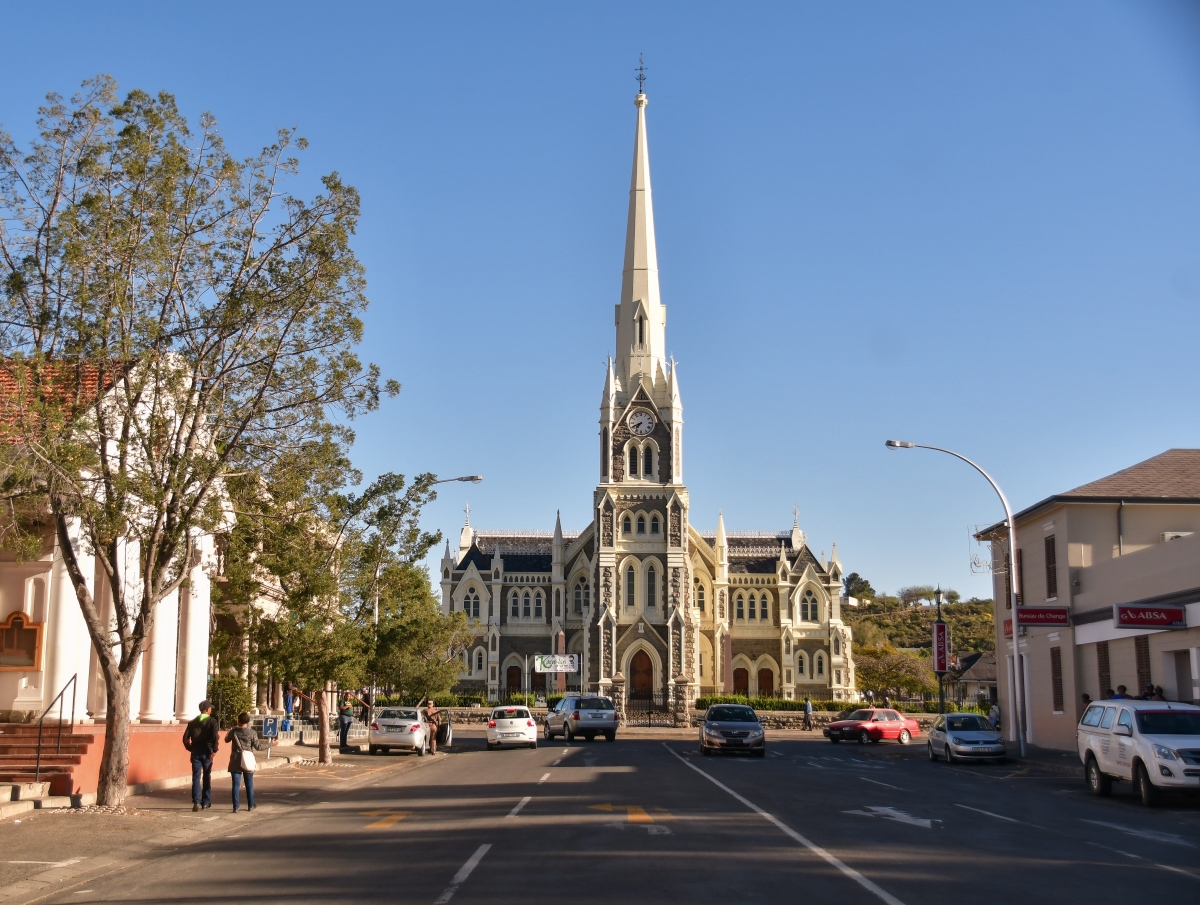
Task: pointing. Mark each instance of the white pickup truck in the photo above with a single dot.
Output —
(1153, 744)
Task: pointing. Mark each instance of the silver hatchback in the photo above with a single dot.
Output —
(965, 736)
(588, 716)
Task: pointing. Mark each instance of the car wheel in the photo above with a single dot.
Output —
(490, 746)
(1099, 782)
(929, 749)
(760, 752)
(611, 735)
(533, 744)
(372, 749)
(704, 752)
(864, 737)
(1146, 792)
(546, 733)
(568, 734)
(421, 750)
(834, 739)
(904, 737)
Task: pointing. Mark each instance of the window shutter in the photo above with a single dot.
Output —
(1056, 677)
(1102, 668)
(1051, 568)
(1141, 646)
(1020, 578)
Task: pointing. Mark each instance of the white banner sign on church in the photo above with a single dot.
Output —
(556, 663)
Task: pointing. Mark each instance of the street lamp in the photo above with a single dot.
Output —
(1018, 688)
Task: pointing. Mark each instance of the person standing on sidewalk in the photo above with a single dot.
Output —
(202, 738)
(808, 723)
(346, 718)
(435, 722)
(242, 738)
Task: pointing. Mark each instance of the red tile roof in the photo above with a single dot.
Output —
(70, 383)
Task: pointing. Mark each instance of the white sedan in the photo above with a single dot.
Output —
(511, 726)
(398, 727)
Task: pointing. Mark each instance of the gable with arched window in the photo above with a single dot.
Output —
(583, 595)
(810, 610)
(471, 603)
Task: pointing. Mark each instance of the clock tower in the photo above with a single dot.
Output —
(642, 639)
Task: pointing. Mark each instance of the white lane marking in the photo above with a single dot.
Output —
(55, 863)
(895, 815)
(967, 807)
(520, 804)
(1177, 870)
(545, 776)
(1170, 838)
(557, 762)
(463, 872)
(884, 784)
(825, 856)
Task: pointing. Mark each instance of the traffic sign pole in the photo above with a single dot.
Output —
(941, 651)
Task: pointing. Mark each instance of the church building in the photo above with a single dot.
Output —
(657, 611)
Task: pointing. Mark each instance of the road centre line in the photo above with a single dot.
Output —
(967, 807)
(520, 804)
(1152, 835)
(545, 776)
(1177, 870)
(848, 871)
(463, 872)
(884, 784)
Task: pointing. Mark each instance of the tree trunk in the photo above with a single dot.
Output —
(325, 755)
(114, 760)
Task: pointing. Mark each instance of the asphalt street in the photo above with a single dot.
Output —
(646, 819)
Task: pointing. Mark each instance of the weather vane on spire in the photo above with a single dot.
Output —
(641, 75)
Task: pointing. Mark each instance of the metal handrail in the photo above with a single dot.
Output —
(73, 684)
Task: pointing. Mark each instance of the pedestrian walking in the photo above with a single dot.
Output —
(433, 717)
(244, 741)
(993, 717)
(808, 723)
(346, 718)
(202, 738)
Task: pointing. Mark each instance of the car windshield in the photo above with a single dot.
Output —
(1169, 722)
(732, 715)
(595, 704)
(861, 715)
(396, 715)
(511, 713)
(969, 724)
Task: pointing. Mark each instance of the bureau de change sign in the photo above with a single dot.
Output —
(556, 663)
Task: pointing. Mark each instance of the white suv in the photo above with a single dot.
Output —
(1154, 744)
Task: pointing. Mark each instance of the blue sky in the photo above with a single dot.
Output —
(971, 225)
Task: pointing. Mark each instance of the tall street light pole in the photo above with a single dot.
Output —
(1018, 672)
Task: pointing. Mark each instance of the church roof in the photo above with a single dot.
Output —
(520, 551)
(757, 552)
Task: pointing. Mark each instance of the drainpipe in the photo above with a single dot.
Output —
(1120, 530)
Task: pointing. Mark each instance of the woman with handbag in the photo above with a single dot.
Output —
(243, 742)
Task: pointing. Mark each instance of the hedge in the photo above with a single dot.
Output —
(829, 706)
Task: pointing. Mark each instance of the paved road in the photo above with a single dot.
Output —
(648, 820)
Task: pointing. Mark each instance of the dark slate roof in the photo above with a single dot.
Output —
(482, 561)
(978, 668)
(757, 552)
(531, 551)
(1170, 477)
(527, 562)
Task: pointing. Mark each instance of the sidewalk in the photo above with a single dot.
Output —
(1064, 763)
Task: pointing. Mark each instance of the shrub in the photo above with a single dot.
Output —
(230, 697)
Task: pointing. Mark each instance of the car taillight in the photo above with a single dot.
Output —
(529, 722)
(375, 726)
(414, 727)
(575, 715)
(491, 724)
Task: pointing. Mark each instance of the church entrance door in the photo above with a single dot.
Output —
(766, 683)
(513, 679)
(641, 680)
(537, 681)
(741, 681)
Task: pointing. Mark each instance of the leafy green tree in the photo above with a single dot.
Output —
(915, 594)
(854, 585)
(885, 670)
(171, 317)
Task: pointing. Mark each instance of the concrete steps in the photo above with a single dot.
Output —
(19, 760)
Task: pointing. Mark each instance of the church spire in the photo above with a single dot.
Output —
(641, 317)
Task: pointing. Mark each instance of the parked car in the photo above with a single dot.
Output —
(587, 716)
(732, 727)
(511, 726)
(965, 736)
(873, 725)
(1153, 744)
(402, 728)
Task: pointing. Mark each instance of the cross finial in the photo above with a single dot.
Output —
(641, 74)
(796, 514)
(467, 510)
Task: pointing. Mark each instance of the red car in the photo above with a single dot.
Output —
(871, 725)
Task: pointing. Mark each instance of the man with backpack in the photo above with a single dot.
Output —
(202, 737)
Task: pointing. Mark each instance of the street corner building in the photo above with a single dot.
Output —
(658, 612)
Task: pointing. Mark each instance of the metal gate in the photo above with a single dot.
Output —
(648, 710)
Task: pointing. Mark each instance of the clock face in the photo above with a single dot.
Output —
(641, 423)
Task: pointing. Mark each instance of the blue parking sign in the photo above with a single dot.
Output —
(270, 727)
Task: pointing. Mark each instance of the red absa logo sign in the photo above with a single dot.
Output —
(1151, 617)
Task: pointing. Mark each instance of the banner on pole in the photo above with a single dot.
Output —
(941, 647)
(556, 663)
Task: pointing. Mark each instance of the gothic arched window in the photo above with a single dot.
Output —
(633, 461)
(641, 524)
(800, 667)
(820, 665)
(582, 595)
(630, 588)
(525, 609)
(478, 661)
(741, 607)
(651, 588)
(516, 605)
(627, 526)
(471, 604)
(647, 462)
(762, 608)
(808, 607)
(537, 605)
(699, 595)
(557, 602)
(753, 607)
(837, 646)
(654, 524)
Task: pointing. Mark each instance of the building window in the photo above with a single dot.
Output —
(493, 674)
(479, 661)
(1051, 569)
(787, 676)
(647, 462)
(762, 608)
(630, 588)
(1056, 684)
(808, 607)
(633, 461)
(837, 677)
(526, 608)
(654, 525)
(699, 595)
(820, 665)
(741, 607)
(627, 526)
(1102, 669)
(557, 602)
(651, 588)
(753, 607)
(837, 646)
(1020, 581)
(641, 523)
(1141, 649)
(582, 595)
(516, 605)
(493, 647)
(800, 666)
(641, 331)
(537, 606)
